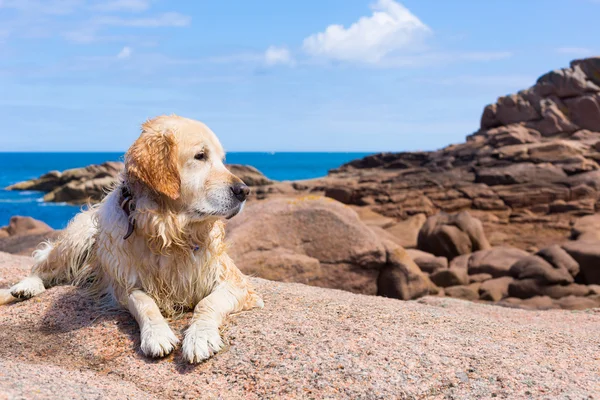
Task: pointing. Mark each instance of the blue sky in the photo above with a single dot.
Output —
(310, 75)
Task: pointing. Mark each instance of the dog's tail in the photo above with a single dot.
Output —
(69, 259)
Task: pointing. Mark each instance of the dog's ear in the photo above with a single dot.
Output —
(152, 159)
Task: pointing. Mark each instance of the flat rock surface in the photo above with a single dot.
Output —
(307, 343)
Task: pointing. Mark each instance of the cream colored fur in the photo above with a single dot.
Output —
(181, 199)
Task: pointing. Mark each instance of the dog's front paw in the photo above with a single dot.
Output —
(201, 342)
(158, 340)
(27, 288)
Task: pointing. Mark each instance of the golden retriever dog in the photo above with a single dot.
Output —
(155, 244)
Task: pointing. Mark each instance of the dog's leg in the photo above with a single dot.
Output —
(33, 284)
(61, 261)
(202, 338)
(158, 339)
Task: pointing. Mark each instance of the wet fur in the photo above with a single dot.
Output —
(156, 271)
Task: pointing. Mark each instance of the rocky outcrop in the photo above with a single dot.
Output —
(532, 163)
(77, 186)
(91, 183)
(321, 242)
(306, 343)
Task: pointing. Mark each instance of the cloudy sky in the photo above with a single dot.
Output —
(272, 75)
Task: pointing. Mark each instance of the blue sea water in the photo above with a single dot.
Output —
(16, 167)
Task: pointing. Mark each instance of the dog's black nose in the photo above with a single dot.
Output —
(240, 191)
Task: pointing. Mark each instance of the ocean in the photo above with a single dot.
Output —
(16, 167)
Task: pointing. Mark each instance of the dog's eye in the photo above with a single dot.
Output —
(200, 156)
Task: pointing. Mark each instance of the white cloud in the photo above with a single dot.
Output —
(122, 5)
(391, 28)
(278, 55)
(169, 19)
(124, 53)
(575, 51)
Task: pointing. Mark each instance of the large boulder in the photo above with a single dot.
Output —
(496, 261)
(449, 236)
(317, 238)
(449, 277)
(306, 343)
(535, 267)
(559, 259)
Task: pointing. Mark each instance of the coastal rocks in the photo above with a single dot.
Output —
(534, 162)
(452, 235)
(76, 186)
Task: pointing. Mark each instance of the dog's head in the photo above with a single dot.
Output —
(180, 161)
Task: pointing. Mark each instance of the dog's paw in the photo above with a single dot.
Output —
(201, 342)
(27, 288)
(158, 340)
